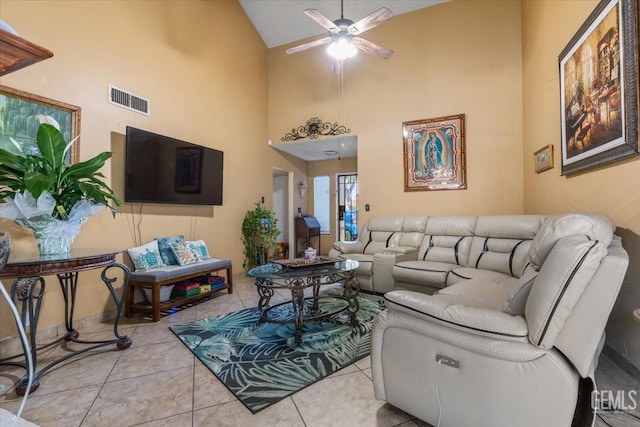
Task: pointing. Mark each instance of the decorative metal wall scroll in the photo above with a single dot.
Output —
(314, 128)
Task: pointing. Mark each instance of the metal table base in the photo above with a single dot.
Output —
(27, 294)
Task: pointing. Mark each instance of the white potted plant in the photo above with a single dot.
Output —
(53, 198)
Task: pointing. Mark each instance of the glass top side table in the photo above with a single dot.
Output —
(27, 291)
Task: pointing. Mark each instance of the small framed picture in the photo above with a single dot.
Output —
(543, 158)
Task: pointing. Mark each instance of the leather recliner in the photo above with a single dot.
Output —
(477, 354)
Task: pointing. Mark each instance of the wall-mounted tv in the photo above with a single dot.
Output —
(160, 169)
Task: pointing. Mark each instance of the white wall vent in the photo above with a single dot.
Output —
(129, 100)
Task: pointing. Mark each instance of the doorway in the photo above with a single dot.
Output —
(347, 203)
(283, 210)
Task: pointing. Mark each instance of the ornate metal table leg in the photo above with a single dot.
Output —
(316, 296)
(69, 285)
(351, 290)
(297, 303)
(28, 292)
(124, 342)
(265, 292)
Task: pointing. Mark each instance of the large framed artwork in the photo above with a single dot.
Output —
(599, 88)
(19, 120)
(434, 154)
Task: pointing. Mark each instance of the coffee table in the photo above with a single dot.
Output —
(270, 277)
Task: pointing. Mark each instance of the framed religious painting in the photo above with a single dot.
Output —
(599, 88)
(434, 154)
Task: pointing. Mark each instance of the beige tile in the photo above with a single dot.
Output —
(90, 368)
(57, 409)
(208, 390)
(152, 359)
(351, 400)
(9, 419)
(152, 334)
(364, 363)
(282, 414)
(175, 421)
(368, 373)
(349, 369)
(216, 310)
(137, 400)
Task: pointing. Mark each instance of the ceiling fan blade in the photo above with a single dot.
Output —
(308, 45)
(373, 19)
(325, 22)
(336, 66)
(371, 47)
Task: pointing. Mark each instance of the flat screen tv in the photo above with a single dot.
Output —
(160, 169)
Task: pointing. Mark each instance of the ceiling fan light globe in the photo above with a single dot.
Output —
(341, 48)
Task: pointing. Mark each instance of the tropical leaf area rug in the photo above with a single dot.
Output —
(260, 363)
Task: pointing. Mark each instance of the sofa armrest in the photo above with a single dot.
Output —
(404, 250)
(383, 263)
(348, 247)
(449, 310)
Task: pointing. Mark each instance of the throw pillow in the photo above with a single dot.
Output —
(165, 250)
(146, 256)
(183, 253)
(200, 249)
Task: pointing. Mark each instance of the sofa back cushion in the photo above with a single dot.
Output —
(382, 232)
(561, 280)
(502, 243)
(412, 231)
(597, 227)
(448, 239)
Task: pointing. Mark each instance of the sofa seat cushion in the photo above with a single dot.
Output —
(426, 273)
(366, 262)
(460, 313)
(461, 274)
(177, 271)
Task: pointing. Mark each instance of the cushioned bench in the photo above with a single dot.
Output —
(157, 277)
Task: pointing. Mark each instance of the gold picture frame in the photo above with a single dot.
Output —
(18, 111)
(434, 154)
(543, 158)
(599, 88)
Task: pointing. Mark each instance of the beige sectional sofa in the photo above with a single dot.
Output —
(427, 253)
(514, 330)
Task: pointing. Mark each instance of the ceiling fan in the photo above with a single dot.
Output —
(343, 35)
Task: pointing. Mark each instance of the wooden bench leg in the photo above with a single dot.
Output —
(229, 280)
(155, 302)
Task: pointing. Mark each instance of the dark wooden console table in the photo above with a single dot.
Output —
(27, 292)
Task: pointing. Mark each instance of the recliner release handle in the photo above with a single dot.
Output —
(447, 361)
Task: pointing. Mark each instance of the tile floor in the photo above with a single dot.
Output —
(158, 382)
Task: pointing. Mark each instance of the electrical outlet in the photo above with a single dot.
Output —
(27, 321)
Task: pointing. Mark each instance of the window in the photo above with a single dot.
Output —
(321, 202)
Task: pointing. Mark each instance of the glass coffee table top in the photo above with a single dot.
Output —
(323, 268)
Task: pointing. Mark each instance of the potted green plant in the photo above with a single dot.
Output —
(259, 234)
(46, 194)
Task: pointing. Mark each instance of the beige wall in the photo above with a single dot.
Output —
(547, 26)
(204, 68)
(447, 60)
